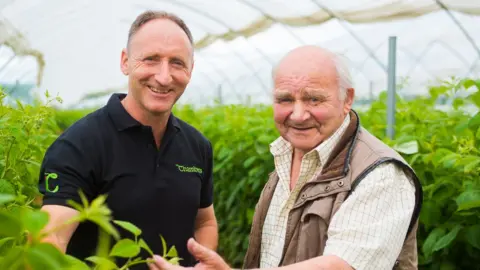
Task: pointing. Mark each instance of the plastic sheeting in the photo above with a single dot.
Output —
(73, 47)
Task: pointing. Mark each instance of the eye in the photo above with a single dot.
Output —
(315, 99)
(283, 99)
(149, 59)
(178, 62)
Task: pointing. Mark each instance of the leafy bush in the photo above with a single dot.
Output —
(25, 131)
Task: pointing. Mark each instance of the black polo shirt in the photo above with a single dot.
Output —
(158, 190)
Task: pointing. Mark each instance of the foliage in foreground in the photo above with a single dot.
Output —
(442, 146)
(25, 132)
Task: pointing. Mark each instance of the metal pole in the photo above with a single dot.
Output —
(392, 51)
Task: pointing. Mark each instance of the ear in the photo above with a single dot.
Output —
(349, 100)
(124, 62)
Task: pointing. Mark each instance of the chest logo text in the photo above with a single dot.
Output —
(189, 169)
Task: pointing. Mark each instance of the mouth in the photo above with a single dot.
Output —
(159, 92)
(302, 128)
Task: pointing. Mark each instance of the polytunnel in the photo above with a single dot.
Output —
(72, 48)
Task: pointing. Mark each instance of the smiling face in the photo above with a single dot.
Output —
(158, 62)
(308, 107)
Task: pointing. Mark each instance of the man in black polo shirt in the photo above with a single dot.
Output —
(155, 168)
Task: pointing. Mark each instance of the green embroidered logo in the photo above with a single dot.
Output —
(47, 177)
(189, 169)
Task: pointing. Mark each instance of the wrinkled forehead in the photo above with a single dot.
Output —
(305, 79)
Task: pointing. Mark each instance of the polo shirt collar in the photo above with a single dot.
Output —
(123, 120)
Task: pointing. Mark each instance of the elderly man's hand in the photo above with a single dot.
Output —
(208, 259)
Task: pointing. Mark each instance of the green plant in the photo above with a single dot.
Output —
(25, 131)
(22, 237)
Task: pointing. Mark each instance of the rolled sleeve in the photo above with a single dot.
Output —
(369, 229)
(65, 171)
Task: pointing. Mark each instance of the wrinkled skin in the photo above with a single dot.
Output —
(308, 107)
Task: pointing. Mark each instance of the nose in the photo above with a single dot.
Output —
(163, 75)
(299, 113)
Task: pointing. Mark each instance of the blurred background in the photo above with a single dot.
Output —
(72, 48)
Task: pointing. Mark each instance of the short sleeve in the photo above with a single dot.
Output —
(65, 171)
(207, 183)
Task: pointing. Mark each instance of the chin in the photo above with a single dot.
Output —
(158, 108)
(305, 145)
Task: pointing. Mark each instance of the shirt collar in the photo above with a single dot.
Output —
(123, 120)
(281, 147)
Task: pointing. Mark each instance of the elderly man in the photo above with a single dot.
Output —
(339, 198)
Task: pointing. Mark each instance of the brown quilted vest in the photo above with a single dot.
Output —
(357, 153)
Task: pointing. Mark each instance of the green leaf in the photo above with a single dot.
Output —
(439, 156)
(430, 215)
(164, 246)
(75, 264)
(6, 198)
(474, 122)
(125, 248)
(468, 83)
(34, 221)
(105, 224)
(472, 234)
(447, 239)
(468, 199)
(429, 244)
(14, 259)
(449, 160)
(443, 191)
(471, 166)
(45, 256)
(408, 148)
(10, 225)
(129, 227)
(175, 261)
(457, 103)
(6, 187)
(248, 162)
(172, 252)
(105, 263)
(5, 240)
(144, 245)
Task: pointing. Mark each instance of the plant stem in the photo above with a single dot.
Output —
(134, 263)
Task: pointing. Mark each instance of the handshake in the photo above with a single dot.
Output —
(208, 259)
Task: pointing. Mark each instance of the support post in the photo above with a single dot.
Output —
(392, 51)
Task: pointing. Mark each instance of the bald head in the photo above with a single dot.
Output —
(317, 62)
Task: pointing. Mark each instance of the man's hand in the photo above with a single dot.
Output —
(209, 259)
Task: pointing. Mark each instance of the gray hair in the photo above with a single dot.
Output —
(344, 78)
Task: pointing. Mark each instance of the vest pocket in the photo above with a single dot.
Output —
(313, 227)
(320, 208)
